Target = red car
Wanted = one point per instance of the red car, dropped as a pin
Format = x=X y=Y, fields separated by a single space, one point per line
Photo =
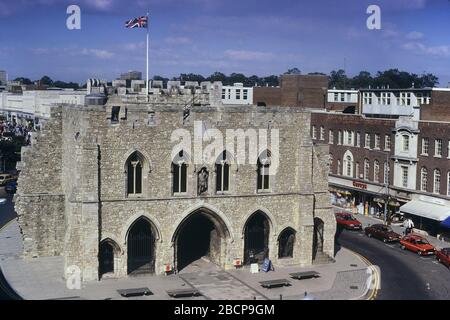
x=443 y=256
x=347 y=221
x=418 y=244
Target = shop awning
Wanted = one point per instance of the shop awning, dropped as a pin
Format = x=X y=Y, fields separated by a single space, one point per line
x=446 y=223
x=427 y=210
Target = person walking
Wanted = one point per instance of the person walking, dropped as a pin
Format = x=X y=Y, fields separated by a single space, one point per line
x=408 y=224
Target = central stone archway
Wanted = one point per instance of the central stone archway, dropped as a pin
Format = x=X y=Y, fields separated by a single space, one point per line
x=201 y=234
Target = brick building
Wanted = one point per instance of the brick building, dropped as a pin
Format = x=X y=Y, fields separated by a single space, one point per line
x=396 y=150
x=301 y=91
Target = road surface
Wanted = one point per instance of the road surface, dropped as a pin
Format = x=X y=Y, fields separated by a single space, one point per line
x=404 y=274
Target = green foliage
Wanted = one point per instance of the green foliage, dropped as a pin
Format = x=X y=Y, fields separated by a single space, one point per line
x=23 y=80
x=393 y=78
x=10 y=151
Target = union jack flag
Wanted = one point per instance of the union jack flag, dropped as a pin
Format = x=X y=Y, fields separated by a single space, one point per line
x=141 y=22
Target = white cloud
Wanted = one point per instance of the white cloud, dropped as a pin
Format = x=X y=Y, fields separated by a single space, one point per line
x=101 y=4
x=136 y=46
x=101 y=54
x=244 y=55
x=177 y=40
x=403 y=4
x=418 y=47
x=415 y=35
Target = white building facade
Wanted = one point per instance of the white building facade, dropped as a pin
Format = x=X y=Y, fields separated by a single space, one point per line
x=237 y=95
x=34 y=105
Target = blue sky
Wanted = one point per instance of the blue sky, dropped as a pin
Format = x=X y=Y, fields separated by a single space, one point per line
x=259 y=37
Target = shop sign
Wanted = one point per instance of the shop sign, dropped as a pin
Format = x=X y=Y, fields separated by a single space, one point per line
x=360 y=185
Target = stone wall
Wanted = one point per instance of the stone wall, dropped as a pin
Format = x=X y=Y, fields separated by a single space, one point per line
x=40 y=200
x=93 y=205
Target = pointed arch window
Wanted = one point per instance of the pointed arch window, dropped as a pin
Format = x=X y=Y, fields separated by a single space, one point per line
x=263 y=171
x=134 y=168
x=179 y=173
x=223 y=172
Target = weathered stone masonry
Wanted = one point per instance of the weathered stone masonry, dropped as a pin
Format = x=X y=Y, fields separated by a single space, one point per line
x=72 y=188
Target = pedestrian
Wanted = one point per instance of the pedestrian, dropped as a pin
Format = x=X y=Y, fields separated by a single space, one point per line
x=411 y=226
x=408 y=224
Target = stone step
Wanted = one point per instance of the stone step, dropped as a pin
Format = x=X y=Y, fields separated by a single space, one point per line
x=322 y=258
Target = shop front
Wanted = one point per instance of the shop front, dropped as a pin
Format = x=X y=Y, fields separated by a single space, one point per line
x=428 y=214
x=361 y=197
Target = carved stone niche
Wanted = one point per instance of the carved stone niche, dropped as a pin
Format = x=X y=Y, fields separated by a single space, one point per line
x=202 y=181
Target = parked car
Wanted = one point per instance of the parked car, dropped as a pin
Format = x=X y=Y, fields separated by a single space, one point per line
x=418 y=244
x=347 y=221
x=397 y=217
x=382 y=232
x=5 y=178
x=11 y=187
x=443 y=256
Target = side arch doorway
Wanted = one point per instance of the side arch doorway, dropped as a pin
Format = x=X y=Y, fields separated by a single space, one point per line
x=106 y=258
x=141 y=247
x=202 y=234
x=256 y=238
x=318 y=237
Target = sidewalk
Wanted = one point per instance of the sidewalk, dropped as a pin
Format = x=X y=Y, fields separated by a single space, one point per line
x=367 y=220
x=42 y=278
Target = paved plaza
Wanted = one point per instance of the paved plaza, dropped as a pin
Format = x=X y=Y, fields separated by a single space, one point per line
x=42 y=278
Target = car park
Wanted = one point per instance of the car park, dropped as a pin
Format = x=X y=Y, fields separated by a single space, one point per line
x=417 y=244
x=347 y=221
x=382 y=232
x=443 y=256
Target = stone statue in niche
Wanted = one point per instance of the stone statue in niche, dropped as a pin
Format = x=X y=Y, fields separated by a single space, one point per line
x=203 y=181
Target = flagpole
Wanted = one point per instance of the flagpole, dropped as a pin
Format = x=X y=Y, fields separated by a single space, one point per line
x=147 y=51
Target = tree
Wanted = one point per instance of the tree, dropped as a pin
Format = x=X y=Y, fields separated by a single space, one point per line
x=65 y=85
x=46 y=81
x=428 y=80
x=338 y=79
x=271 y=81
x=316 y=74
x=191 y=77
x=159 y=78
x=293 y=71
x=217 y=76
x=362 y=81
x=23 y=80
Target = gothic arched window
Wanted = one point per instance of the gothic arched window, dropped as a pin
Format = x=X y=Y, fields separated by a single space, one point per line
x=223 y=173
x=179 y=173
x=263 y=171
x=134 y=167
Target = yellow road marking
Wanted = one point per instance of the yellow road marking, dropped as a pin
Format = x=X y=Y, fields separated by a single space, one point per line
x=374 y=293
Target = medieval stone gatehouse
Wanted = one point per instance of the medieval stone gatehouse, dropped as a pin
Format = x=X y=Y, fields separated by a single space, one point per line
x=111 y=188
